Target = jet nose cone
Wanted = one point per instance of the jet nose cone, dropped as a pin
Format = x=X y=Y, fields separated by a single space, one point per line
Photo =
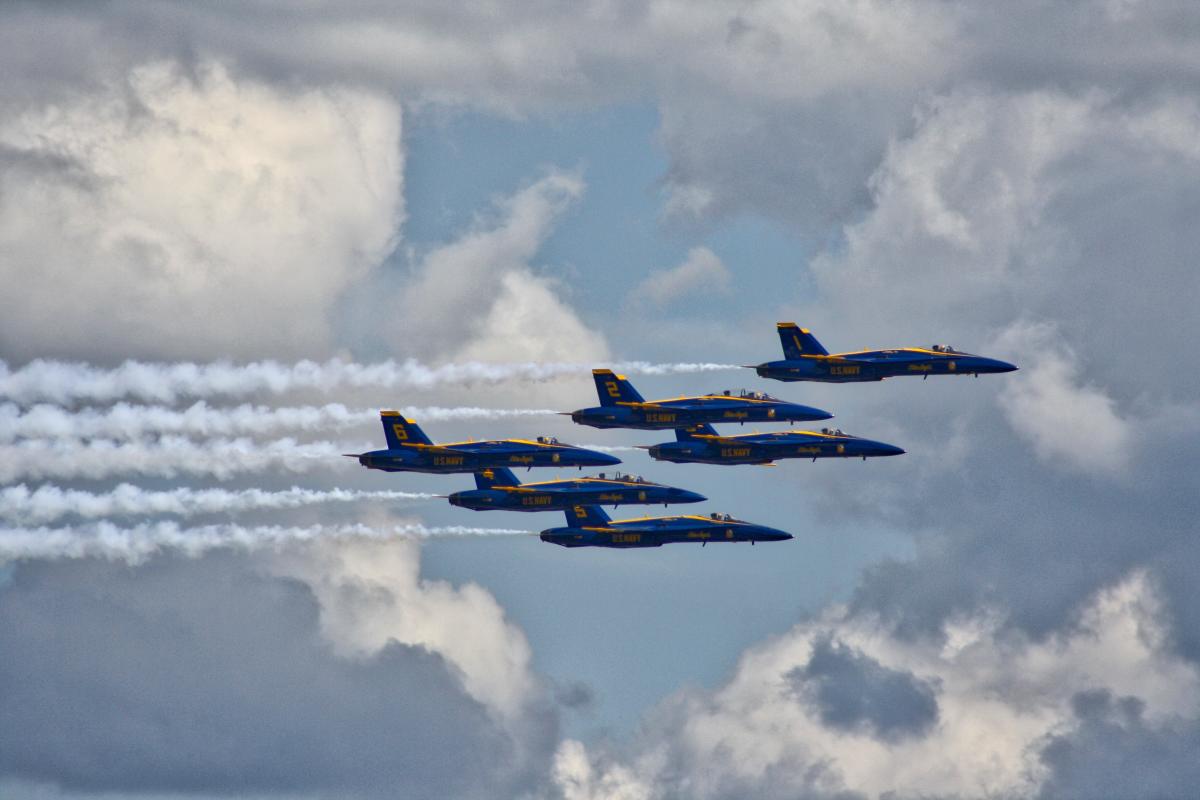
x=811 y=413
x=684 y=496
x=773 y=535
x=885 y=449
x=604 y=459
x=990 y=365
x=1003 y=366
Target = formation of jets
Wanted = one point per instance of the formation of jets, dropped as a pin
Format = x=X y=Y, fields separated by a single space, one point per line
x=696 y=442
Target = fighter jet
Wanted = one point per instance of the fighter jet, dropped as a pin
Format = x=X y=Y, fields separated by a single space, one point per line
x=499 y=488
x=806 y=360
x=701 y=444
x=410 y=450
x=589 y=526
x=621 y=406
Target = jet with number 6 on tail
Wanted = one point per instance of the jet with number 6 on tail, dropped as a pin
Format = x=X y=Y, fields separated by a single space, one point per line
x=589 y=526
x=499 y=488
x=621 y=406
x=806 y=360
x=701 y=444
x=410 y=450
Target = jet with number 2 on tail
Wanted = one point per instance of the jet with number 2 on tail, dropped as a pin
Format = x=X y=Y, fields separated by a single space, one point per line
x=499 y=488
x=589 y=526
x=701 y=444
x=806 y=360
x=410 y=450
x=621 y=406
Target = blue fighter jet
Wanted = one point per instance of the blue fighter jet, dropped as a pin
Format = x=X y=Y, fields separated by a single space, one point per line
x=589 y=526
x=806 y=360
x=499 y=488
x=621 y=406
x=410 y=450
x=701 y=444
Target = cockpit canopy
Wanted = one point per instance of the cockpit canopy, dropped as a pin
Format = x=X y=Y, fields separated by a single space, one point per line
x=942 y=348
x=621 y=476
x=547 y=440
x=751 y=394
x=720 y=517
x=832 y=431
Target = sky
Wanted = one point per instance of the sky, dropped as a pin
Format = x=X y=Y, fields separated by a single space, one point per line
x=230 y=234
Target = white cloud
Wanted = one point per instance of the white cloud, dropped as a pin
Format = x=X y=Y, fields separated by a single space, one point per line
x=371 y=593
x=1065 y=420
x=478 y=297
x=998 y=692
x=176 y=215
x=701 y=272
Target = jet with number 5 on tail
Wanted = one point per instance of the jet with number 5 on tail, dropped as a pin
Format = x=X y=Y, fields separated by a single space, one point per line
x=621 y=406
x=701 y=444
x=806 y=360
x=410 y=450
x=589 y=526
x=499 y=488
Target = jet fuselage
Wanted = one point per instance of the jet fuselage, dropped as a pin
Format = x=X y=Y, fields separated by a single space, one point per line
x=657 y=531
x=562 y=495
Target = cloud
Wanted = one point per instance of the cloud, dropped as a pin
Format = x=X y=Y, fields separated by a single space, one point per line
x=1064 y=421
x=702 y=272
x=832 y=709
x=851 y=691
x=477 y=298
x=1111 y=750
x=174 y=215
x=213 y=675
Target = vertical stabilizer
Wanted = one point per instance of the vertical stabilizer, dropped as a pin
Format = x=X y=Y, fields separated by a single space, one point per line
x=496 y=476
x=587 y=516
x=798 y=342
x=400 y=431
x=613 y=388
x=689 y=433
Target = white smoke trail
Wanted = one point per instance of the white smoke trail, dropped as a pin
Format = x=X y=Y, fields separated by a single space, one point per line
x=25 y=506
x=136 y=543
x=127 y=421
x=69 y=382
x=167 y=457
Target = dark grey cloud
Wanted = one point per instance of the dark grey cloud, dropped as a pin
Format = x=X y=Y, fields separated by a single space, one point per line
x=851 y=691
x=1113 y=751
x=208 y=675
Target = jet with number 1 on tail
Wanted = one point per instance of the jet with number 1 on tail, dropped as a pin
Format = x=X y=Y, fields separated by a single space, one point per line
x=621 y=406
x=806 y=360
x=701 y=444
x=499 y=488
x=589 y=526
x=410 y=450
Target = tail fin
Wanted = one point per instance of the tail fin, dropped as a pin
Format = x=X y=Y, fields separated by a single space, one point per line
x=496 y=476
x=798 y=341
x=401 y=431
x=614 y=388
x=587 y=516
x=689 y=433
